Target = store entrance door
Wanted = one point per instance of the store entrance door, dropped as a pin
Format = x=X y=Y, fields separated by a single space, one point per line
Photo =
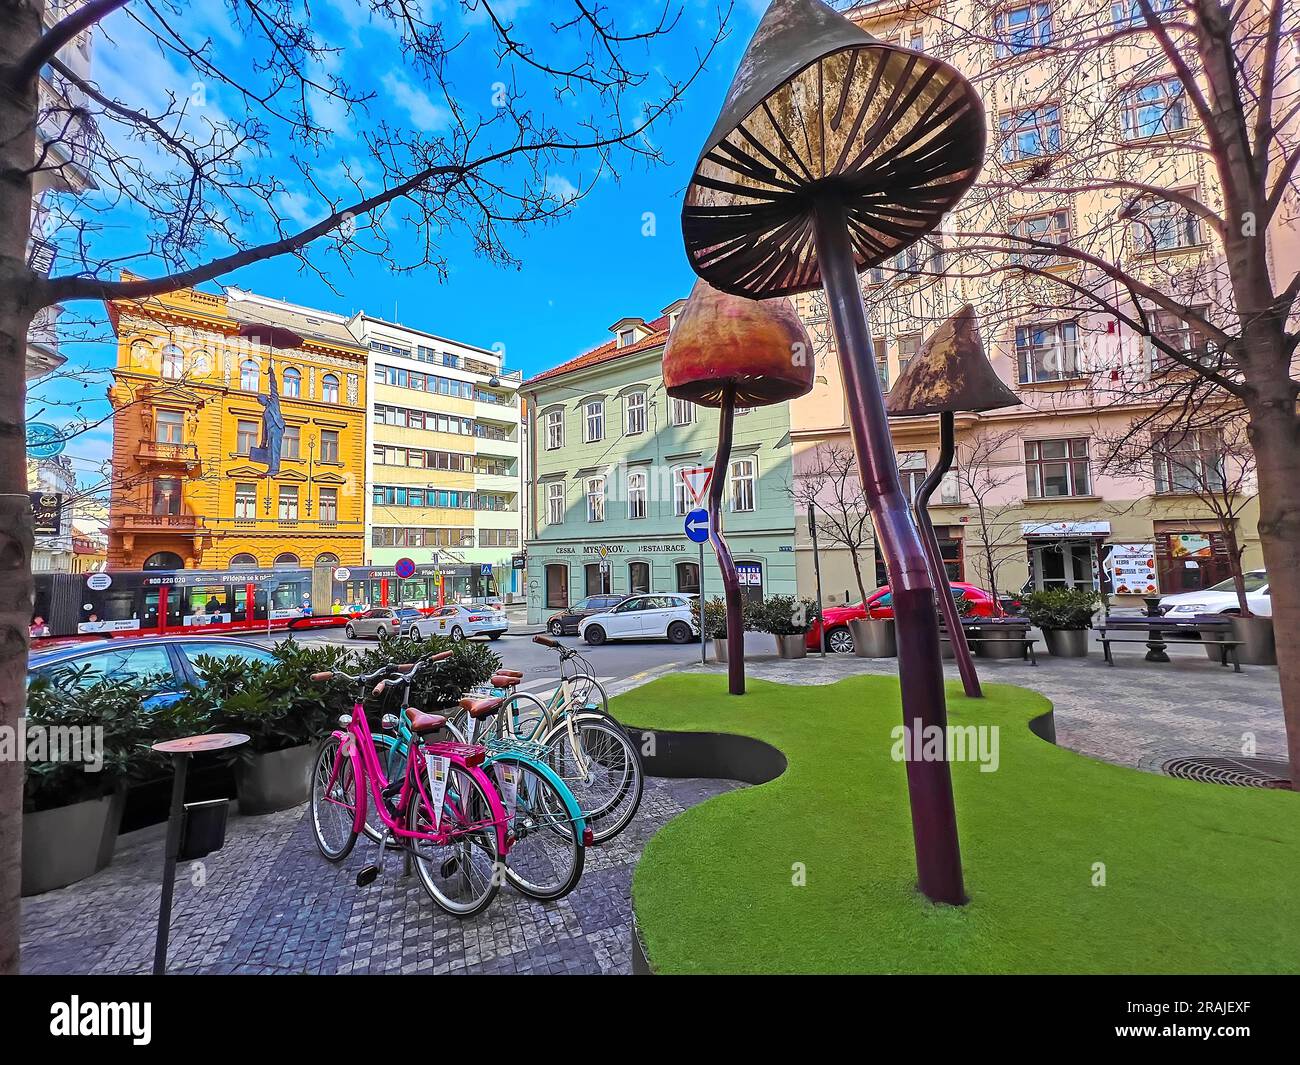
x=1062 y=564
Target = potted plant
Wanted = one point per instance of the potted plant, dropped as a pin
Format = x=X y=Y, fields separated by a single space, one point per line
x=788 y=620
x=471 y=665
x=713 y=626
x=1064 y=615
x=84 y=741
x=1009 y=631
x=283 y=712
x=872 y=636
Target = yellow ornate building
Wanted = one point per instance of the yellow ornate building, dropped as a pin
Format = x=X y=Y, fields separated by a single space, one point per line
x=239 y=434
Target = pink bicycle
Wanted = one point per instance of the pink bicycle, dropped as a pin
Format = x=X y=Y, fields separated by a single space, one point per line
x=444 y=810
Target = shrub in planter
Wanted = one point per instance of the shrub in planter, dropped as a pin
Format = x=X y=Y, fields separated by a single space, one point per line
x=85 y=741
x=1058 y=611
x=789 y=619
x=472 y=663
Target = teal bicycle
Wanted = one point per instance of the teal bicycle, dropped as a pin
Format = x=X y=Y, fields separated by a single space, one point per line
x=585 y=745
x=547 y=831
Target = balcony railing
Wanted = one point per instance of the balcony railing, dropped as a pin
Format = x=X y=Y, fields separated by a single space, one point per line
x=157 y=451
x=147 y=523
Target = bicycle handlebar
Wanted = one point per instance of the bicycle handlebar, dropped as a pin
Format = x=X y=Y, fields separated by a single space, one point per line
x=546 y=641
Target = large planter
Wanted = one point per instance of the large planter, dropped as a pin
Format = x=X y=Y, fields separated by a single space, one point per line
x=275 y=780
x=1256 y=636
x=999 y=649
x=1066 y=643
x=874 y=637
x=795 y=646
x=719 y=649
x=69 y=843
x=945 y=645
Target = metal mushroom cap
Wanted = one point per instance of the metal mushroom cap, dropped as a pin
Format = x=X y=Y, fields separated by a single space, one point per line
x=950 y=373
x=821 y=108
x=760 y=350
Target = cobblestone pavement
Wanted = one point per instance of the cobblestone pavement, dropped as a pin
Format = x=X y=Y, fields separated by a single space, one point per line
x=270 y=903
x=1134 y=713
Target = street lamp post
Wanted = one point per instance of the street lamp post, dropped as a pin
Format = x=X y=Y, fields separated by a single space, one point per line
x=834 y=152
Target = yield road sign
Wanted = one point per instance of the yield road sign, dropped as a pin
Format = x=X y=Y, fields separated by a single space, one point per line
x=697 y=526
x=697 y=482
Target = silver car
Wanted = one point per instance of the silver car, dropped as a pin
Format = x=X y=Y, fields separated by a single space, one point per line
x=388 y=621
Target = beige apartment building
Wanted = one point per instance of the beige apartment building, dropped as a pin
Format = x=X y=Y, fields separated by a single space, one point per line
x=1039 y=490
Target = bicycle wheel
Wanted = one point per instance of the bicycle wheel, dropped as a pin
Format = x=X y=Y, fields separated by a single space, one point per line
x=333 y=814
x=609 y=790
x=460 y=874
x=546 y=854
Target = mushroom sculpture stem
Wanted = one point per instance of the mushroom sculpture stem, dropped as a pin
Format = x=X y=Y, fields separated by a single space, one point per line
x=727 y=566
x=930 y=541
x=920 y=674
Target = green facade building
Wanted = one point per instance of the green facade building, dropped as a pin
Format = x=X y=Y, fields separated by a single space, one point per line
x=606 y=504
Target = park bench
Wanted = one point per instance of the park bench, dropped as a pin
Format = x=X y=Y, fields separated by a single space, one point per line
x=1226 y=647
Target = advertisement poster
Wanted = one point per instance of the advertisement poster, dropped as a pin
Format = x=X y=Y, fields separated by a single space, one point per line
x=1189 y=546
x=1132 y=569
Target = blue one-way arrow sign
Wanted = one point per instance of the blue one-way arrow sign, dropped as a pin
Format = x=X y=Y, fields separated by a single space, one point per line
x=697 y=526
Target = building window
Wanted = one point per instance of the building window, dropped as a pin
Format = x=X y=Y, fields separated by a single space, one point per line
x=329 y=445
x=1047 y=351
x=682 y=412
x=635 y=413
x=682 y=502
x=557 y=586
x=554 y=430
x=636 y=494
x=292 y=387
x=169 y=427
x=243 y=561
x=329 y=388
x=1030 y=133
x=1177 y=332
x=595 y=421
x=1051 y=227
x=638 y=577
x=596 y=499
x=286 y=560
x=1056 y=468
x=1161 y=225
x=908 y=346
x=166 y=497
x=743 y=476
x=173 y=363
x=1189 y=462
x=627 y=338
x=1155 y=108
x=245 y=502
x=1125 y=14
x=245 y=437
x=688 y=577
x=555 y=503
x=911 y=472
x=950 y=491
x=329 y=506
x=882 y=370
x=291 y=447
x=498 y=538
x=288 y=503
x=327 y=558
x=1022 y=29
x=249 y=376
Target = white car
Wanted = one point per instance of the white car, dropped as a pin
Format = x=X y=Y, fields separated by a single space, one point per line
x=1221 y=598
x=643 y=617
x=458 y=621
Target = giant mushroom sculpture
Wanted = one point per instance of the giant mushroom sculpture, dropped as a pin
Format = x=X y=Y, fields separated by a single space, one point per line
x=835 y=151
x=723 y=352
x=950 y=373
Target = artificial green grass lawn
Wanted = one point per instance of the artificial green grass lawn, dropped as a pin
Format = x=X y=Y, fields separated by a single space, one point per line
x=1199 y=877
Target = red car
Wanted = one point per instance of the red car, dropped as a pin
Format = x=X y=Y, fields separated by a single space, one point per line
x=839 y=637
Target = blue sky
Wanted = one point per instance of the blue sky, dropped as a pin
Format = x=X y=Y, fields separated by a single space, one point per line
x=578 y=274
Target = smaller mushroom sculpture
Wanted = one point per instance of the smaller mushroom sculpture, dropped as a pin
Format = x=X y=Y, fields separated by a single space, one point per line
x=950 y=373
x=727 y=351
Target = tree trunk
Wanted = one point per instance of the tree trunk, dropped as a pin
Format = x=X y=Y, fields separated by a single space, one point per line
x=17 y=308
x=1229 y=528
x=857 y=573
x=1275 y=436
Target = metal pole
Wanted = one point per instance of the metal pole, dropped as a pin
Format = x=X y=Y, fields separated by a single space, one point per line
x=920 y=671
x=730 y=579
x=181 y=765
x=970 y=680
x=817 y=573
x=704 y=657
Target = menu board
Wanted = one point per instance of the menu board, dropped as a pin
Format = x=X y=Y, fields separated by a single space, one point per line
x=1132 y=569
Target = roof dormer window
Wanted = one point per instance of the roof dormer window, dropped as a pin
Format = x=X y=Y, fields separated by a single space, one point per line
x=627 y=338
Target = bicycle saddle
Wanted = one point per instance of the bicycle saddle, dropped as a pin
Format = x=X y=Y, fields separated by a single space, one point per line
x=421 y=723
x=481 y=707
x=506 y=680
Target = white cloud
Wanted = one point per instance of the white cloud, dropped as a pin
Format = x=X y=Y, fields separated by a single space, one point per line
x=558 y=187
x=426 y=115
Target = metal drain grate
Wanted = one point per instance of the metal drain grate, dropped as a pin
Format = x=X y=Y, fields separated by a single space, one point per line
x=1235 y=772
